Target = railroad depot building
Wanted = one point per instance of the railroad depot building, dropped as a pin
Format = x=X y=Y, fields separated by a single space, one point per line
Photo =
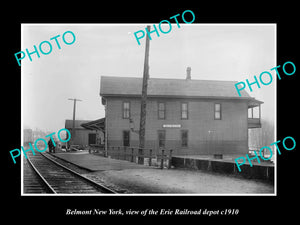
x=192 y=117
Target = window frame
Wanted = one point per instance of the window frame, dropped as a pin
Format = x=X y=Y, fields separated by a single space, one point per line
x=158 y=110
x=187 y=110
x=123 y=135
x=220 y=111
x=123 y=110
x=187 y=138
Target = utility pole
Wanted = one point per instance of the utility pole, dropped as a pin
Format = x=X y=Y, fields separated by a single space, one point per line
x=144 y=102
x=73 y=127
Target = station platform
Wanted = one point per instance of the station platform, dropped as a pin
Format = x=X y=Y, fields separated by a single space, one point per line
x=96 y=163
x=140 y=179
x=227 y=165
x=226 y=158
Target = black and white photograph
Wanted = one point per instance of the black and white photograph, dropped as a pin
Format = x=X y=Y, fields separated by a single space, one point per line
x=149 y=109
x=131 y=114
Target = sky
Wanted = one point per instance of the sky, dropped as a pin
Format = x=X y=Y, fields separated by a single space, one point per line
x=213 y=51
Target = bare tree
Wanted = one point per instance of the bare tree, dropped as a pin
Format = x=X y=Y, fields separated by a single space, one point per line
x=260 y=137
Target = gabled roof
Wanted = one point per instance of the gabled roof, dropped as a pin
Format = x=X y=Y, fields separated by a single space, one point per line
x=69 y=124
x=157 y=87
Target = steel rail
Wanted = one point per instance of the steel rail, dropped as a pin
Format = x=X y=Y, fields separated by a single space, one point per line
x=95 y=184
x=41 y=177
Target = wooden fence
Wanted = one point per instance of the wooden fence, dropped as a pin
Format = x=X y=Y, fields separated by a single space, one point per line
x=131 y=154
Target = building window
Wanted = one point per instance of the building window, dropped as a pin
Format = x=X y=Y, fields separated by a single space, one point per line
x=126 y=110
x=184 y=110
x=184 y=138
x=126 y=138
x=161 y=138
x=161 y=110
x=218 y=115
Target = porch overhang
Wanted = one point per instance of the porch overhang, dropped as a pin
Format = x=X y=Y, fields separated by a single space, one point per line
x=95 y=125
x=254 y=122
x=254 y=103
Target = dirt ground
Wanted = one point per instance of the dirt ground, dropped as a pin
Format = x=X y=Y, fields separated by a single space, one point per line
x=180 y=181
x=126 y=177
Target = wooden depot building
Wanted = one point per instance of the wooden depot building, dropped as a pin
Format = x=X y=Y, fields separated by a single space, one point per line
x=192 y=117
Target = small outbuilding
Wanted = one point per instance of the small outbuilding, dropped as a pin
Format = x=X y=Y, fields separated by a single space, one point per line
x=82 y=135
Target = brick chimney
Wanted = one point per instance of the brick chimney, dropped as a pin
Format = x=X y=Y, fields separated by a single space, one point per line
x=188 y=73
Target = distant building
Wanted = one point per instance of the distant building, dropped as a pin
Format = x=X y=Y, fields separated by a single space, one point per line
x=27 y=136
x=83 y=137
x=191 y=117
x=37 y=133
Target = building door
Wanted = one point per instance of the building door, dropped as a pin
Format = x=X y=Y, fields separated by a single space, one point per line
x=126 y=138
x=92 y=139
x=161 y=138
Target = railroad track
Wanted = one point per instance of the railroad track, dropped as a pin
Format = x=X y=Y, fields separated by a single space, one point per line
x=32 y=183
x=44 y=175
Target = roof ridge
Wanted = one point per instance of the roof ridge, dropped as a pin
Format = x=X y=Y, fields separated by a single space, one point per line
x=169 y=87
x=177 y=79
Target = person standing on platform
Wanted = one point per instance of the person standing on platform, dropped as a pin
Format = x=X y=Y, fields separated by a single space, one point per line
x=50 y=145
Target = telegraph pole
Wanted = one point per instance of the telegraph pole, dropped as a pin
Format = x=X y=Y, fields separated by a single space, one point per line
x=144 y=102
x=74 y=109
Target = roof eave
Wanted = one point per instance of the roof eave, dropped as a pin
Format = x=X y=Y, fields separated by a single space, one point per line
x=178 y=96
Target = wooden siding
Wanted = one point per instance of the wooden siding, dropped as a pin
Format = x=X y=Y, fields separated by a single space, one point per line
x=205 y=134
x=82 y=136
